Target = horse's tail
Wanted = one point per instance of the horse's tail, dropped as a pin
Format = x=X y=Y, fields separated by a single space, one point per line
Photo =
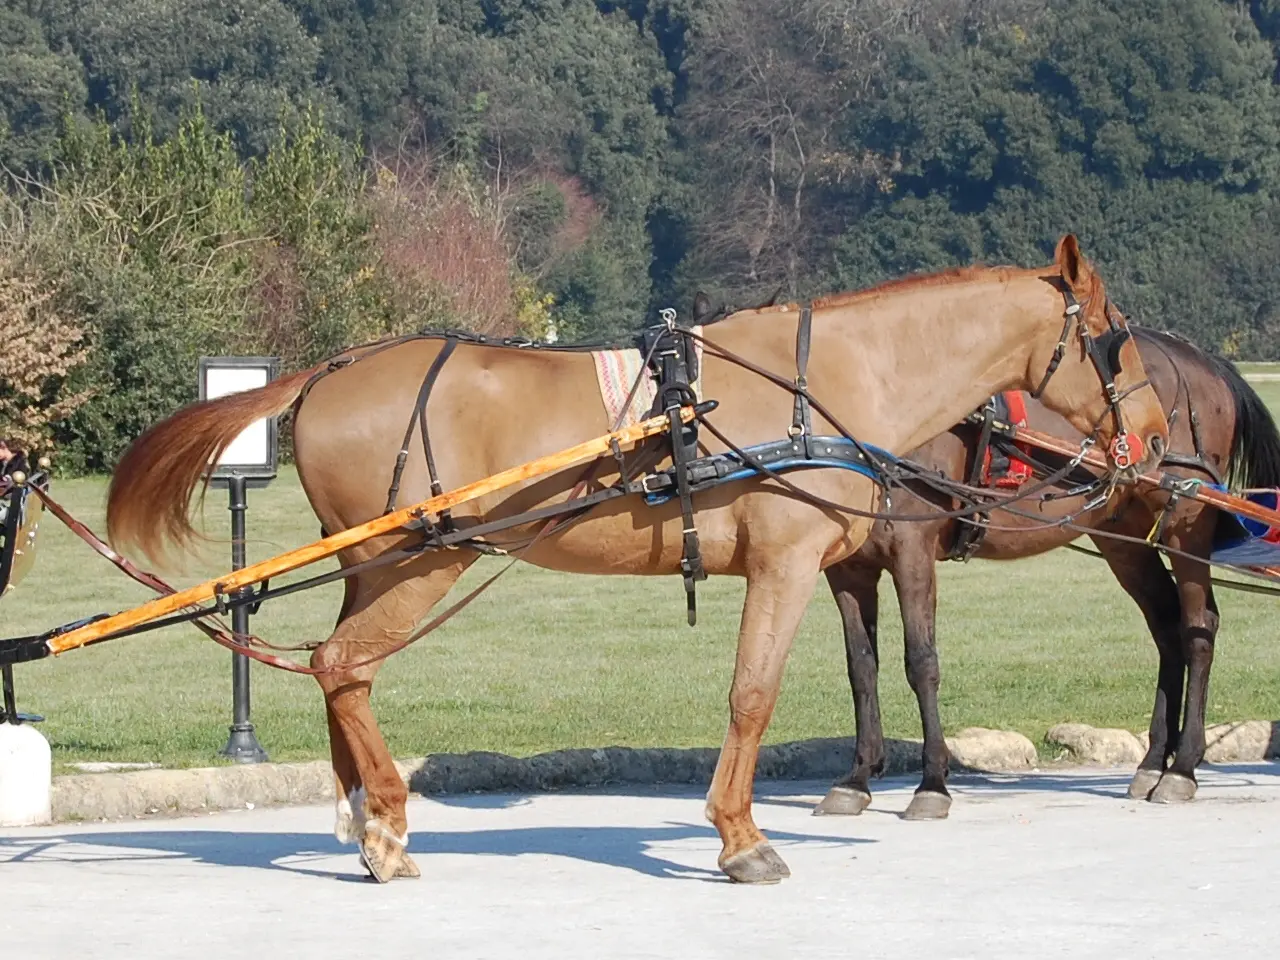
x=1255 y=445
x=151 y=488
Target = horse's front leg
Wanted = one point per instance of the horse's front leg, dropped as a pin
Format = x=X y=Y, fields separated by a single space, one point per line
x=779 y=587
x=916 y=581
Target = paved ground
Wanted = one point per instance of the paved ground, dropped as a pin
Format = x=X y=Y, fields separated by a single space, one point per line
x=1040 y=866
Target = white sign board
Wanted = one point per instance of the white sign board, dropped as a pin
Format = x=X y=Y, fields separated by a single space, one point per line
x=252 y=454
x=253 y=446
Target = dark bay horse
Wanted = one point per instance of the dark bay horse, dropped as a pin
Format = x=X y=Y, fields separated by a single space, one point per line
x=895 y=365
x=1239 y=442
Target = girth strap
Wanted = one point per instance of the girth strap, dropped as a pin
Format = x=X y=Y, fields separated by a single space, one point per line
x=419 y=417
x=801 y=418
x=969 y=535
x=672 y=357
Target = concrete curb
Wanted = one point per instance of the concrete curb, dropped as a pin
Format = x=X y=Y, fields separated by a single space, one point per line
x=167 y=793
x=146 y=793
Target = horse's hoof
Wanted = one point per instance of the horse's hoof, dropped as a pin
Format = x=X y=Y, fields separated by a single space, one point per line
x=1143 y=782
x=384 y=855
x=928 y=805
x=842 y=802
x=408 y=870
x=759 y=864
x=1174 y=788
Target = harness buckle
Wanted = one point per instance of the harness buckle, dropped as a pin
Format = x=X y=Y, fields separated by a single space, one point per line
x=658 y=481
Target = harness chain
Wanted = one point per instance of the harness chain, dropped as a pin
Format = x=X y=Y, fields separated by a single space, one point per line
x=419 y=415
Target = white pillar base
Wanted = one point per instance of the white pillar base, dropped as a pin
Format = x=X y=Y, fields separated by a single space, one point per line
x=26 y=776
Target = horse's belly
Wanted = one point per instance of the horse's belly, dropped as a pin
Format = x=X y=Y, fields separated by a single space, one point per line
x=733 y=522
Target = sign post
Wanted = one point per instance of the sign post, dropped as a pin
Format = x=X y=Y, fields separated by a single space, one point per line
x=249 y=461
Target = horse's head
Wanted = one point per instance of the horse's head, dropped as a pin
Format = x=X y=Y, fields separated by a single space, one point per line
x=1091 y=372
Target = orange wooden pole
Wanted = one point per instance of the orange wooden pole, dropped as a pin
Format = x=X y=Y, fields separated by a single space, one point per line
x=1094 y=458
x=322 y=549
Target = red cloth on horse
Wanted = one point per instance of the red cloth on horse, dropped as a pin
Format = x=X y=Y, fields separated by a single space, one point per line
x=1018 y=472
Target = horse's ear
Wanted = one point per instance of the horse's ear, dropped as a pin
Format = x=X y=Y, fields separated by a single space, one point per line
x=701 y=306
x=1075 y=268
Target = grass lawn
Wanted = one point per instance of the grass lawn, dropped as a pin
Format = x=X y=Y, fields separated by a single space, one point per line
x=1254 y=367
x=546 y=661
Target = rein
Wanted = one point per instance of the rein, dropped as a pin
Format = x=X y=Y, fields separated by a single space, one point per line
x=1104 y=351
x=674 y=378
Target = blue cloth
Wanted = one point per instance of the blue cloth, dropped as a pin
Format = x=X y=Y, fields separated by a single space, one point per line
x=1239 y=540
x=780 y=466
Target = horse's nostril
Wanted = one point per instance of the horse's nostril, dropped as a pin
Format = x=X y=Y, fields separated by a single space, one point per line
x=1156 y=443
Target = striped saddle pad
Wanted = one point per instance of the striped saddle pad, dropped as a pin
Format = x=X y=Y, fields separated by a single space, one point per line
x=617 y=372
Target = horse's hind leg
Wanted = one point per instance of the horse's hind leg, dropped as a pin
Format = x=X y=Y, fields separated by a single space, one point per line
x=778 y=590
x=386 y=607
x=854 y=588
x=349 y=812
x=1198 y=629
x=1140 y=572
x=350 y=816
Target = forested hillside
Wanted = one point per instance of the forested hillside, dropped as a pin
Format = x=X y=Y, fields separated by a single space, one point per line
x=197 y=176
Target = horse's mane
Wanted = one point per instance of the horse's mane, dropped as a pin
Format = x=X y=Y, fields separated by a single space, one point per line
x=1254 y=460
x=939 y=278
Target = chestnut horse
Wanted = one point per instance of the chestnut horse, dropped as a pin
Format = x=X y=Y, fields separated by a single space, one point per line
x=1235 y=438
x=896 y=365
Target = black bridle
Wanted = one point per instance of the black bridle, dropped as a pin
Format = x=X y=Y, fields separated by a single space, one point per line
x=1104 y=351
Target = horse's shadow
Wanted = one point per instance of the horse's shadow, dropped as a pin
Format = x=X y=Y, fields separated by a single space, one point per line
x=975 y=785
x=303 y=853
x=1110 y=784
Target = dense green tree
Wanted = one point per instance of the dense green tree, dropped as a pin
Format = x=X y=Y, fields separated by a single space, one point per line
x=369 y=53
x=351 y=160
x=1147 y=128
x=518 y=88
x=37 y=85
x=247 y=62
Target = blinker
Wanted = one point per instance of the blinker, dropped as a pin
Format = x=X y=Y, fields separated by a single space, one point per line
x=1111 y=342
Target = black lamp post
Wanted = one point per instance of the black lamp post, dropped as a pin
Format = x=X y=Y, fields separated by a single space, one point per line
x=249 y=461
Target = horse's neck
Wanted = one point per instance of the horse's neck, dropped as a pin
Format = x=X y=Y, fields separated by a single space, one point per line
x=942 y=350
x=900 y=368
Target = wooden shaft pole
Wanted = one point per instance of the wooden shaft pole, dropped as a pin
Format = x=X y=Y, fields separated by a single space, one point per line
x=322 y=549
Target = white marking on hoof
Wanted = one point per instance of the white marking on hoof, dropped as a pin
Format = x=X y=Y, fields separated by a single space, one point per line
x=350 y=822
x=379 y=828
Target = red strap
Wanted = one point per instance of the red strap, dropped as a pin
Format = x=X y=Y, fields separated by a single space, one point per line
x=1018 y=472
x=1017 y=401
